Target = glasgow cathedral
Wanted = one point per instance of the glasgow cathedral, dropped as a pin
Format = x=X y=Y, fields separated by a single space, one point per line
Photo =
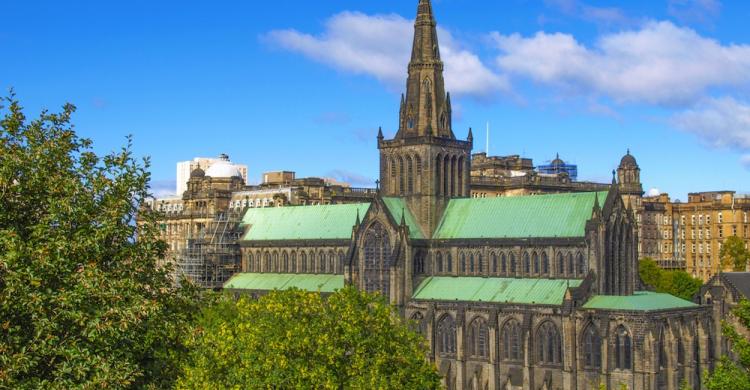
x=525 y=292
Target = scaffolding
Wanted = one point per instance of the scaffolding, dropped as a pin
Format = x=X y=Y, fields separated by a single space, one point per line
x=213 y=256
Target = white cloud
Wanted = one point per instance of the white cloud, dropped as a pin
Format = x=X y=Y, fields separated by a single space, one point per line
x=719 y=122
x=380 y=46
x=660 y=63
x=653 y=192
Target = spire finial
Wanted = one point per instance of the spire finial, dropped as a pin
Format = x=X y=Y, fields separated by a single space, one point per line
x=470 y=138
x=380 y=133
x=358 y=222
x=614 y=177
x=403 y=218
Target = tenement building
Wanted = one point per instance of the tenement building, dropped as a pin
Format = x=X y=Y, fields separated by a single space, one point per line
x=526 y=292
x=693 y=232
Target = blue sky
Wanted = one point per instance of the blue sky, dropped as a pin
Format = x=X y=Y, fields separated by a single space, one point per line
x=303 y=86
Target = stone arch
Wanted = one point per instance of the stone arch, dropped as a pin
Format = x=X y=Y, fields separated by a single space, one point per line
x=446 y=335
x=446 y=175
x=439 y=262
x=478 y=338
x=409 y=175
x=331 y=262
x=591 y=347
x=250 y=263
x=623 y=348
x=284 y=261
x=377 y=252
x=321 y=262
x=545 y=264
x=526 y=264
x=560 y=264
x=438 y=174
x=417 y=174
x=460 y=177
x=401 y=177
x=535 y=257
x=512 y=341
x=548 y=343
x=453 y=175
x=293 y=259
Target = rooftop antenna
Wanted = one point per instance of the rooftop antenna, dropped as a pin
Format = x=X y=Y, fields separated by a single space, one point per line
x=487 y=149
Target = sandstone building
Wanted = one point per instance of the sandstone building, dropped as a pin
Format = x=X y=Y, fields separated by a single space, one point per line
x=525 y=292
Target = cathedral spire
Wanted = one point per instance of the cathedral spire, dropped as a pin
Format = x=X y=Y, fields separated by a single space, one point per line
x=426 y=110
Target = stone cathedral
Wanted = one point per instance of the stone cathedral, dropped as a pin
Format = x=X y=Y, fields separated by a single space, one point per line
x=527 y=292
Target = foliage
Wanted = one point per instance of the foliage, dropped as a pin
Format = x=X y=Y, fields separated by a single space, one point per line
x=677 y=283
x=734 y=255
x=297 y=339
x=83 y=304
x=734 y=373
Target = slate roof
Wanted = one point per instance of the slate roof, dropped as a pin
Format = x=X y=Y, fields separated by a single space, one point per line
x=324 y=222
x=397 y=206
x=254 y=281
x=545 y=216
x=639 y=301
x=740 y=281
x=495 y=290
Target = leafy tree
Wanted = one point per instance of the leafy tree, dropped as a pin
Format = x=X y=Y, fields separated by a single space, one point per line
x=297 y=339
x=678 y=283
x=82 y=302
x=734 y=255
x=731 y=374
x=650 y=272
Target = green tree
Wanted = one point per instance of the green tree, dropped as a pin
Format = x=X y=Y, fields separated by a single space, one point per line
x=650 y=272
x=83 y=304
x=731 y=374
x=734 y=254
x=297 y=339
x=678 y=283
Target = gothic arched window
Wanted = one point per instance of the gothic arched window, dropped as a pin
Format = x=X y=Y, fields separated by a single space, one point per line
x=494 y=263
x=285 y=261
x=623 y=349
x=592 y=347
x=511 y=336
x=439 y=262
x=549 y=345
x=340 y=267
x=377 y=250
x=545 y=263
x=446 y=335
x=294 y=262
x=322 y=262
x=331 y=262
x=268 y=262
x=513 y=265
x=450 y=262
x=503 y=264
x=536 y=263
x=571 y=269
x=526 y=264
x=560 y=264
x=401 y=175
x=480 y=264
x=418 y=263
x=471 y=263
x=303 y=260
x=479 y=337
x=463 y=263
x=250 y=262
x=410 y=175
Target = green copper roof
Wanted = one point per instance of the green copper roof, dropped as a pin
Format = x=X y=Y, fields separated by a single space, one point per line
x=302 y=222
x=499 y=290
x=395 y=207
x=251 y=281
x=557 y=215
x=639 y=301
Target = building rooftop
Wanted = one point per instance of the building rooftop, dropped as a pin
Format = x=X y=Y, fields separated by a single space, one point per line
x=555 y=215
x=253 y=281
x=639 y=301
x=323 y=222
x=495 y=290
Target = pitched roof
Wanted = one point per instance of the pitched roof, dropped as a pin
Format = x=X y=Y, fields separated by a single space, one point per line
x=324 y=222
x=739 y=280
x=266 y=282
x=556 y=215
x=639 y=301
x=496 y=290
x=397 y=207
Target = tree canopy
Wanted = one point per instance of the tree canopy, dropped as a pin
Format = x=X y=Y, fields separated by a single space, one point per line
x=678 y=283
x=297 y=339
x=734 y=254
x=731 y=374
x=83 y=303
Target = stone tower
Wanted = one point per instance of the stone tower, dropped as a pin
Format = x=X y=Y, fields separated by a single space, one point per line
x=425 y=163
x=629 y=177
